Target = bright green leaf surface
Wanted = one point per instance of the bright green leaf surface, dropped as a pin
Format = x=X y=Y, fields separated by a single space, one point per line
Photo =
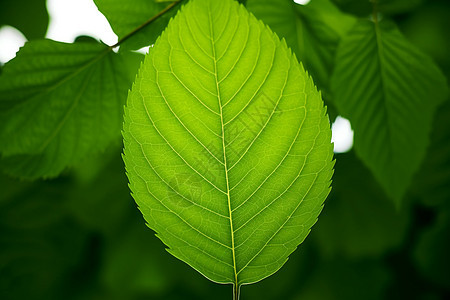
x=389 y=90
x=126 y=16
x=59 y=103
x=312 y=31
x=227 y=144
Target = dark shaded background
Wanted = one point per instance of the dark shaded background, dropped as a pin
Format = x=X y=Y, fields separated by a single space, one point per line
x=80 y=236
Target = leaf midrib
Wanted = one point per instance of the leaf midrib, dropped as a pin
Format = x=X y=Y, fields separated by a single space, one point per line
x=66 y=115
x=223 y=146
x=383 y=88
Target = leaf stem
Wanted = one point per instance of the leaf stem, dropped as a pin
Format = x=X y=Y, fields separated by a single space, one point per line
x=236 y=291
x=375 y=11
x=146 y=23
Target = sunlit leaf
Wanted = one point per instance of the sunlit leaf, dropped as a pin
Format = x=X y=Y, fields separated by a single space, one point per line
x=227 y=144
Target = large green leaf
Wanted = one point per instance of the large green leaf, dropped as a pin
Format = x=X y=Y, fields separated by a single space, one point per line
x=59 y=103
x=126 y=16
x=227 y=144
x=312 y=31
x=389 y=90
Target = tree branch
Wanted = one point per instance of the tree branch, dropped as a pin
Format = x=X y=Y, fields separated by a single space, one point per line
x=148 y=22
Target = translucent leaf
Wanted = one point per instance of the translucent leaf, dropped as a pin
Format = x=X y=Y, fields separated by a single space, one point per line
x=59 y=103
x=126 y=16
x=227 y=144
x=389 y=90
x=312 y=31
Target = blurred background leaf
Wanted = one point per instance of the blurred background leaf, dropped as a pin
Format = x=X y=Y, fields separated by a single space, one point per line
x=28 y=16
x=312 y=31
x=126 y=16
x=390 y=91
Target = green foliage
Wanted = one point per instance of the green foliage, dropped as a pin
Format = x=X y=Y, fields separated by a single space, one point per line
x=312 y=31
x=59 y=103
x=432 y=181
x=224 y=131
x=80 y=236
x=19 y=13
x=125 y=16
x=390 y=91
